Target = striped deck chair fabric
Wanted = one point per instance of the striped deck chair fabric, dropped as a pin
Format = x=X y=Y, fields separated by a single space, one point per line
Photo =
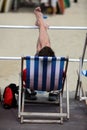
x=84 y=72
x=43 y=74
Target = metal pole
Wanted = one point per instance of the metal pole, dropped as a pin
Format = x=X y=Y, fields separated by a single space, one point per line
x=19 y=58
x=10 y=58
x=50 y=27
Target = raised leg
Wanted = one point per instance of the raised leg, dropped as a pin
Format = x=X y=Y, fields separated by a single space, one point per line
x=43 y=39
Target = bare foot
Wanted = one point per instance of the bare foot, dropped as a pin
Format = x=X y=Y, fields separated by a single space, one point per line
x=39 y=18
x=38 y=13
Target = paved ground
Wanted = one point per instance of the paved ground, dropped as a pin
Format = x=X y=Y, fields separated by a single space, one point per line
x=78 y=119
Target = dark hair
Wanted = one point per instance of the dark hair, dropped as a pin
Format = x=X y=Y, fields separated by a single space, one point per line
x=46 y=51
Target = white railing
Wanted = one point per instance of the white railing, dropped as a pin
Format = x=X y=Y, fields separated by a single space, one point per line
x=50 y=27
x=19 y=58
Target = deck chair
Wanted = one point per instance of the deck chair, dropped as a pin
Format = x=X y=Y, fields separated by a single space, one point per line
x=43 y=74
x=80 y=92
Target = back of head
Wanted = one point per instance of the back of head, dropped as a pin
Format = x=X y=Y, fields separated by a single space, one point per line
x=46 y=51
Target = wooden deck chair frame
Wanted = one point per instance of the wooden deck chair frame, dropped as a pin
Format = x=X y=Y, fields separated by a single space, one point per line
x=79 y=88
x=59 y=116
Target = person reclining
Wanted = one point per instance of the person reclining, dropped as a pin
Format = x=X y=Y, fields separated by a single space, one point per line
x=43 y=47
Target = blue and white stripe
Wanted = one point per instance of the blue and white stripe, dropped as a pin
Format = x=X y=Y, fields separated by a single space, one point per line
x=84 y=72
x=44 y=73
